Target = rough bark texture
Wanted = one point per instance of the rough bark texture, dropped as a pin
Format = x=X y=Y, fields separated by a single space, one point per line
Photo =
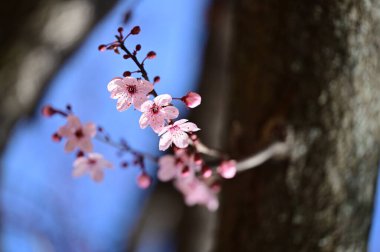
x=310 y=69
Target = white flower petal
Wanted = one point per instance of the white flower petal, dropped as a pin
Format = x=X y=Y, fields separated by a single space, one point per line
x=163 y=100
x=171 y=112
x=165 y=141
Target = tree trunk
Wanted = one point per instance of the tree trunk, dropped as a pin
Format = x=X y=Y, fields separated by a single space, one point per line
x=307 y=70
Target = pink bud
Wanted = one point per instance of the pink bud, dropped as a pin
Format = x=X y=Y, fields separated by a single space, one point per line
x=227 y=169
x=206 y=171
x=143 y=180
x=48 y=111
x=192 y=99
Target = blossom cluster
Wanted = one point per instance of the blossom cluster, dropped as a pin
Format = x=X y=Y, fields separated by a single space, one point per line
x=198 y=181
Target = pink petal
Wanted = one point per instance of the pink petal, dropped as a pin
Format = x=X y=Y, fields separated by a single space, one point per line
x=163 y=100
x=144 y=121
x=117 y=93
x=145 y=87
x=171 y=112
x=157 y=122
x=70 y=145
x=146 y=106
x=138 y=99
x=80 y=166
x=73 y=121
x=167 y=169
x=89 y=129
x=180 y=122
x=180 y=139
x=64 y=131
x=97 y=175
x=123 y=103
x=129 y=81
x=165 y=141
x=189 y=127
x=114 y=84
x=85 y=145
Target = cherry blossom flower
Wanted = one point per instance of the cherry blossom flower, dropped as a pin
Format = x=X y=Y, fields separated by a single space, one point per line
x=179 y=166
x=227 y=169
x=192 y=99
x=129 y=91
x=77 y=135
x=157 y=111
x=93 y=164
x=196 y=191
x=176 y=133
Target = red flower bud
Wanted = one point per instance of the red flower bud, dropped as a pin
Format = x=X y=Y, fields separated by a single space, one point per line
x=151 y=55
x=127 y=73
x=56 y=138
x=135 y=30
x=48 y=111
x=102 y=48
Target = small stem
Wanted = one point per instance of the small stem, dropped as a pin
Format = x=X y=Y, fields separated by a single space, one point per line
x=275 y=150
x=123 y=148
x=138 y=64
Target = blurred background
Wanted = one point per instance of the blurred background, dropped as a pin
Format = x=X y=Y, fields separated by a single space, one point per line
x=50 y=56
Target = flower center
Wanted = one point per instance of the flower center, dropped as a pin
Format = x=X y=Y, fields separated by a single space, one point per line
x=91 y=161
x=79 y=133
x=155 y=109
x=131 y=89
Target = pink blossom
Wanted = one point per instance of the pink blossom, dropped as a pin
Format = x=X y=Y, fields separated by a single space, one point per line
x=144 y=180
x=157 y=111
x=227 y=169
x=196 y=191
x=129 y=91
x=177 y=134
x=177 y=167
x=93 y=164
x=77 y=135
x=192 y=99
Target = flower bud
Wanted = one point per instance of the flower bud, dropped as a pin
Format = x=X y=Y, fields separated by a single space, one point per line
x=192 y=99
x=227 y=169
x=135 y=30
x=151 y=55
x=144 y=180
x=206 y=171
x=48 y=111
x=102 y=48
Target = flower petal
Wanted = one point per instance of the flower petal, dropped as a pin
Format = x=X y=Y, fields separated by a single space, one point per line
x=97 y=175
x=146 y=106
x=180 y=139
x=180 y=122
x=163 y=100
x=70 y=145
x=123 y=103
x=138 y=99
x=171 y=112
x=157 y=122
x=167 y=168
x=85 y=145
x=165 y=141
x=189 y=127
x=145 y=87
x=114 y=84
x=89 y=129
x=144 y=121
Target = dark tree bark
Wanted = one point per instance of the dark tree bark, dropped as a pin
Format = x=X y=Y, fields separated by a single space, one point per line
x=307 y=70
